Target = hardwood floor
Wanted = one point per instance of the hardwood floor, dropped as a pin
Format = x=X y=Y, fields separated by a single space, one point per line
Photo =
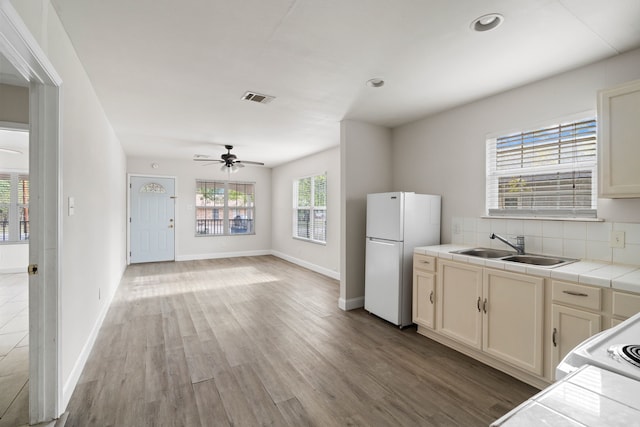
x=259 y=341
x=14 y=349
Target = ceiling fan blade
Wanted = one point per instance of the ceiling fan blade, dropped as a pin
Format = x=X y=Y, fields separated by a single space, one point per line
x=209 y=160
x=247 y=162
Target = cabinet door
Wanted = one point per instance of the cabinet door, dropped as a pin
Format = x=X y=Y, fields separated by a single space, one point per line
x=513 y=323
x=458 y=302
x=424 y=298
x=569 y=327
x=618 y=150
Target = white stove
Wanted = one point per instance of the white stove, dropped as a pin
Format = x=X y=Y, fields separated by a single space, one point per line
x=616 y=349
x=598 y=385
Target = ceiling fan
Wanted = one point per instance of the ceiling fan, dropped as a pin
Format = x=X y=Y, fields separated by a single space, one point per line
x=230 y=162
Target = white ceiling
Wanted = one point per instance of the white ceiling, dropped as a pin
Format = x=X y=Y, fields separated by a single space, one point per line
x=171 y=74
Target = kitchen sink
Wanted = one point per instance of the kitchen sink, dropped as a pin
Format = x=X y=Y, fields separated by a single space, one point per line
x=539 y=260
x=484 y=253
x=508 y=256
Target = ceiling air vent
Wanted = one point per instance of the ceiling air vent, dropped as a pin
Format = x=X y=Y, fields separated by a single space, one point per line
x=258 y=97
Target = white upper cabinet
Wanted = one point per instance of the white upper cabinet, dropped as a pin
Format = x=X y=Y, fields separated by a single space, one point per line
x=619 y=141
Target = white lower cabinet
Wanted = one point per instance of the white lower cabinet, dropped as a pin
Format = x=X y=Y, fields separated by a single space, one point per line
x=570 y=327
x=459 y=302
x=498 y=312
x=513 y=323
x=424 y=298
x=424 y=290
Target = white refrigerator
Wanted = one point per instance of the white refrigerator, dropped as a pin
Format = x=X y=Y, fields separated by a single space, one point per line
x=396 y=223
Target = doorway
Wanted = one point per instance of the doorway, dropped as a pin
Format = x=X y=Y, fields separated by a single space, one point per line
x=152 y=219
x=21 y=51
x=14 y=256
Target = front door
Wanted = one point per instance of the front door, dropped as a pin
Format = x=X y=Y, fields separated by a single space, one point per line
x=152 y=219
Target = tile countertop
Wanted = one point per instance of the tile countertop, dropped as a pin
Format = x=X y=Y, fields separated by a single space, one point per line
x=616 y=276
x=589 y=397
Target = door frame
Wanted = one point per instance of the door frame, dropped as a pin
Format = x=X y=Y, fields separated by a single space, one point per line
x=45 y=241
x=175 y=211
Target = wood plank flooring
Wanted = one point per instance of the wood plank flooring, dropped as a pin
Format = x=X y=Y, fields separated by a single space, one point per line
x=259 y=341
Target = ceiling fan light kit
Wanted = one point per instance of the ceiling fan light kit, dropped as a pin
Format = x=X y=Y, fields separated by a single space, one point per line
x=230 y=162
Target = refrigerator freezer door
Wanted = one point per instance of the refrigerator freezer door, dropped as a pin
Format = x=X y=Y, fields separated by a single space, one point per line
x=385 y=216
x=383 y=278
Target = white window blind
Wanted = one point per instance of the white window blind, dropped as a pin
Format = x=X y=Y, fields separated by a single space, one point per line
x=549 y=172
x=310 y=208
x=14 y=207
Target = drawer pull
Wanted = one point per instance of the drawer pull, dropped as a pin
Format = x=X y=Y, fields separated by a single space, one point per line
x=553 y=337
x=426 y=262
x=576 y=294
x=431 y=297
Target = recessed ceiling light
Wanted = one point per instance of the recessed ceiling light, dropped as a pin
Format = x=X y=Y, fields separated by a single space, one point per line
x=10 y=150
x=375 y=82
x=487 y=22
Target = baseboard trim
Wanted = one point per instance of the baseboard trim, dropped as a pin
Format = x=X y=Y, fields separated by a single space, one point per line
x=310 y=266
x=74 y=376
x=215 y=255
x=350 y=304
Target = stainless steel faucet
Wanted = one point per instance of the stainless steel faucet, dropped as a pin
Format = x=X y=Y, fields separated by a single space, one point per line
x=519 y=246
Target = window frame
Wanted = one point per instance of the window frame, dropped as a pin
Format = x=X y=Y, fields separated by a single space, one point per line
x=14 y=208
x=227 y=226
x=492 y=175
x=312 y=208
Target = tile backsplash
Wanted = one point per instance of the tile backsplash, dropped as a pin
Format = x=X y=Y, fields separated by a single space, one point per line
x=572 y=239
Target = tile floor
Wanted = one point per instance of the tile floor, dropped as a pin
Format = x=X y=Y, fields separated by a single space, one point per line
x=14 y=349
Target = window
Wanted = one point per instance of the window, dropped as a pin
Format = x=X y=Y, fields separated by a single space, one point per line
x=14 y=207
x=548 y=172
x=310 y=208
x=224 y=208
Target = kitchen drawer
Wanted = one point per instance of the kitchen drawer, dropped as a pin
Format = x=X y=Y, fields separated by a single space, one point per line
x=424 y=262
x=576 y=295
x=625 y=305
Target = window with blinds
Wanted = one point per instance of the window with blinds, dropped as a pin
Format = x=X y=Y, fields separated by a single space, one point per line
x=225 y=208
x=14 y=207
x=310 y=208
x=549 y=172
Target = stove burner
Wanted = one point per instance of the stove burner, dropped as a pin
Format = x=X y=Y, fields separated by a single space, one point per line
x=629 y=353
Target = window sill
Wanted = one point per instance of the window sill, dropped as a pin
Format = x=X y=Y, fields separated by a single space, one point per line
x=225 y=235
x=544 y=218
x=315 y=242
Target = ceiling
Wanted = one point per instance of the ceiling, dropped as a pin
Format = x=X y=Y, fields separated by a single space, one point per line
x=171 y=74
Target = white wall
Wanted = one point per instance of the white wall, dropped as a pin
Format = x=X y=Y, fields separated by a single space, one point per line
x=322 y=258
x=365 y=153
x=94 y=173
x=14 y=104
x=445 y=153
x=188 y=245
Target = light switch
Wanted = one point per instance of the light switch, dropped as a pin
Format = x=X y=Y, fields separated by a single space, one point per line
x=72 y=205
x=617 y=239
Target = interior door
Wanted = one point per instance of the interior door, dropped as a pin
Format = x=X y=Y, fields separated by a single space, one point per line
x=152 y=221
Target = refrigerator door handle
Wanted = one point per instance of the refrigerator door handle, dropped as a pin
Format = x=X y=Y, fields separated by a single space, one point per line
x=383 y=242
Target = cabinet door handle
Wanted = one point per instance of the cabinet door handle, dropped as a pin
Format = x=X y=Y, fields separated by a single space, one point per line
x=575 y=294
x=484 y=305
x=478 y=305
x=553 y=337
x=431 y=297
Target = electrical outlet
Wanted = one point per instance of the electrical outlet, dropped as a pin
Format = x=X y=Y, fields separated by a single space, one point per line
x=617 y=239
